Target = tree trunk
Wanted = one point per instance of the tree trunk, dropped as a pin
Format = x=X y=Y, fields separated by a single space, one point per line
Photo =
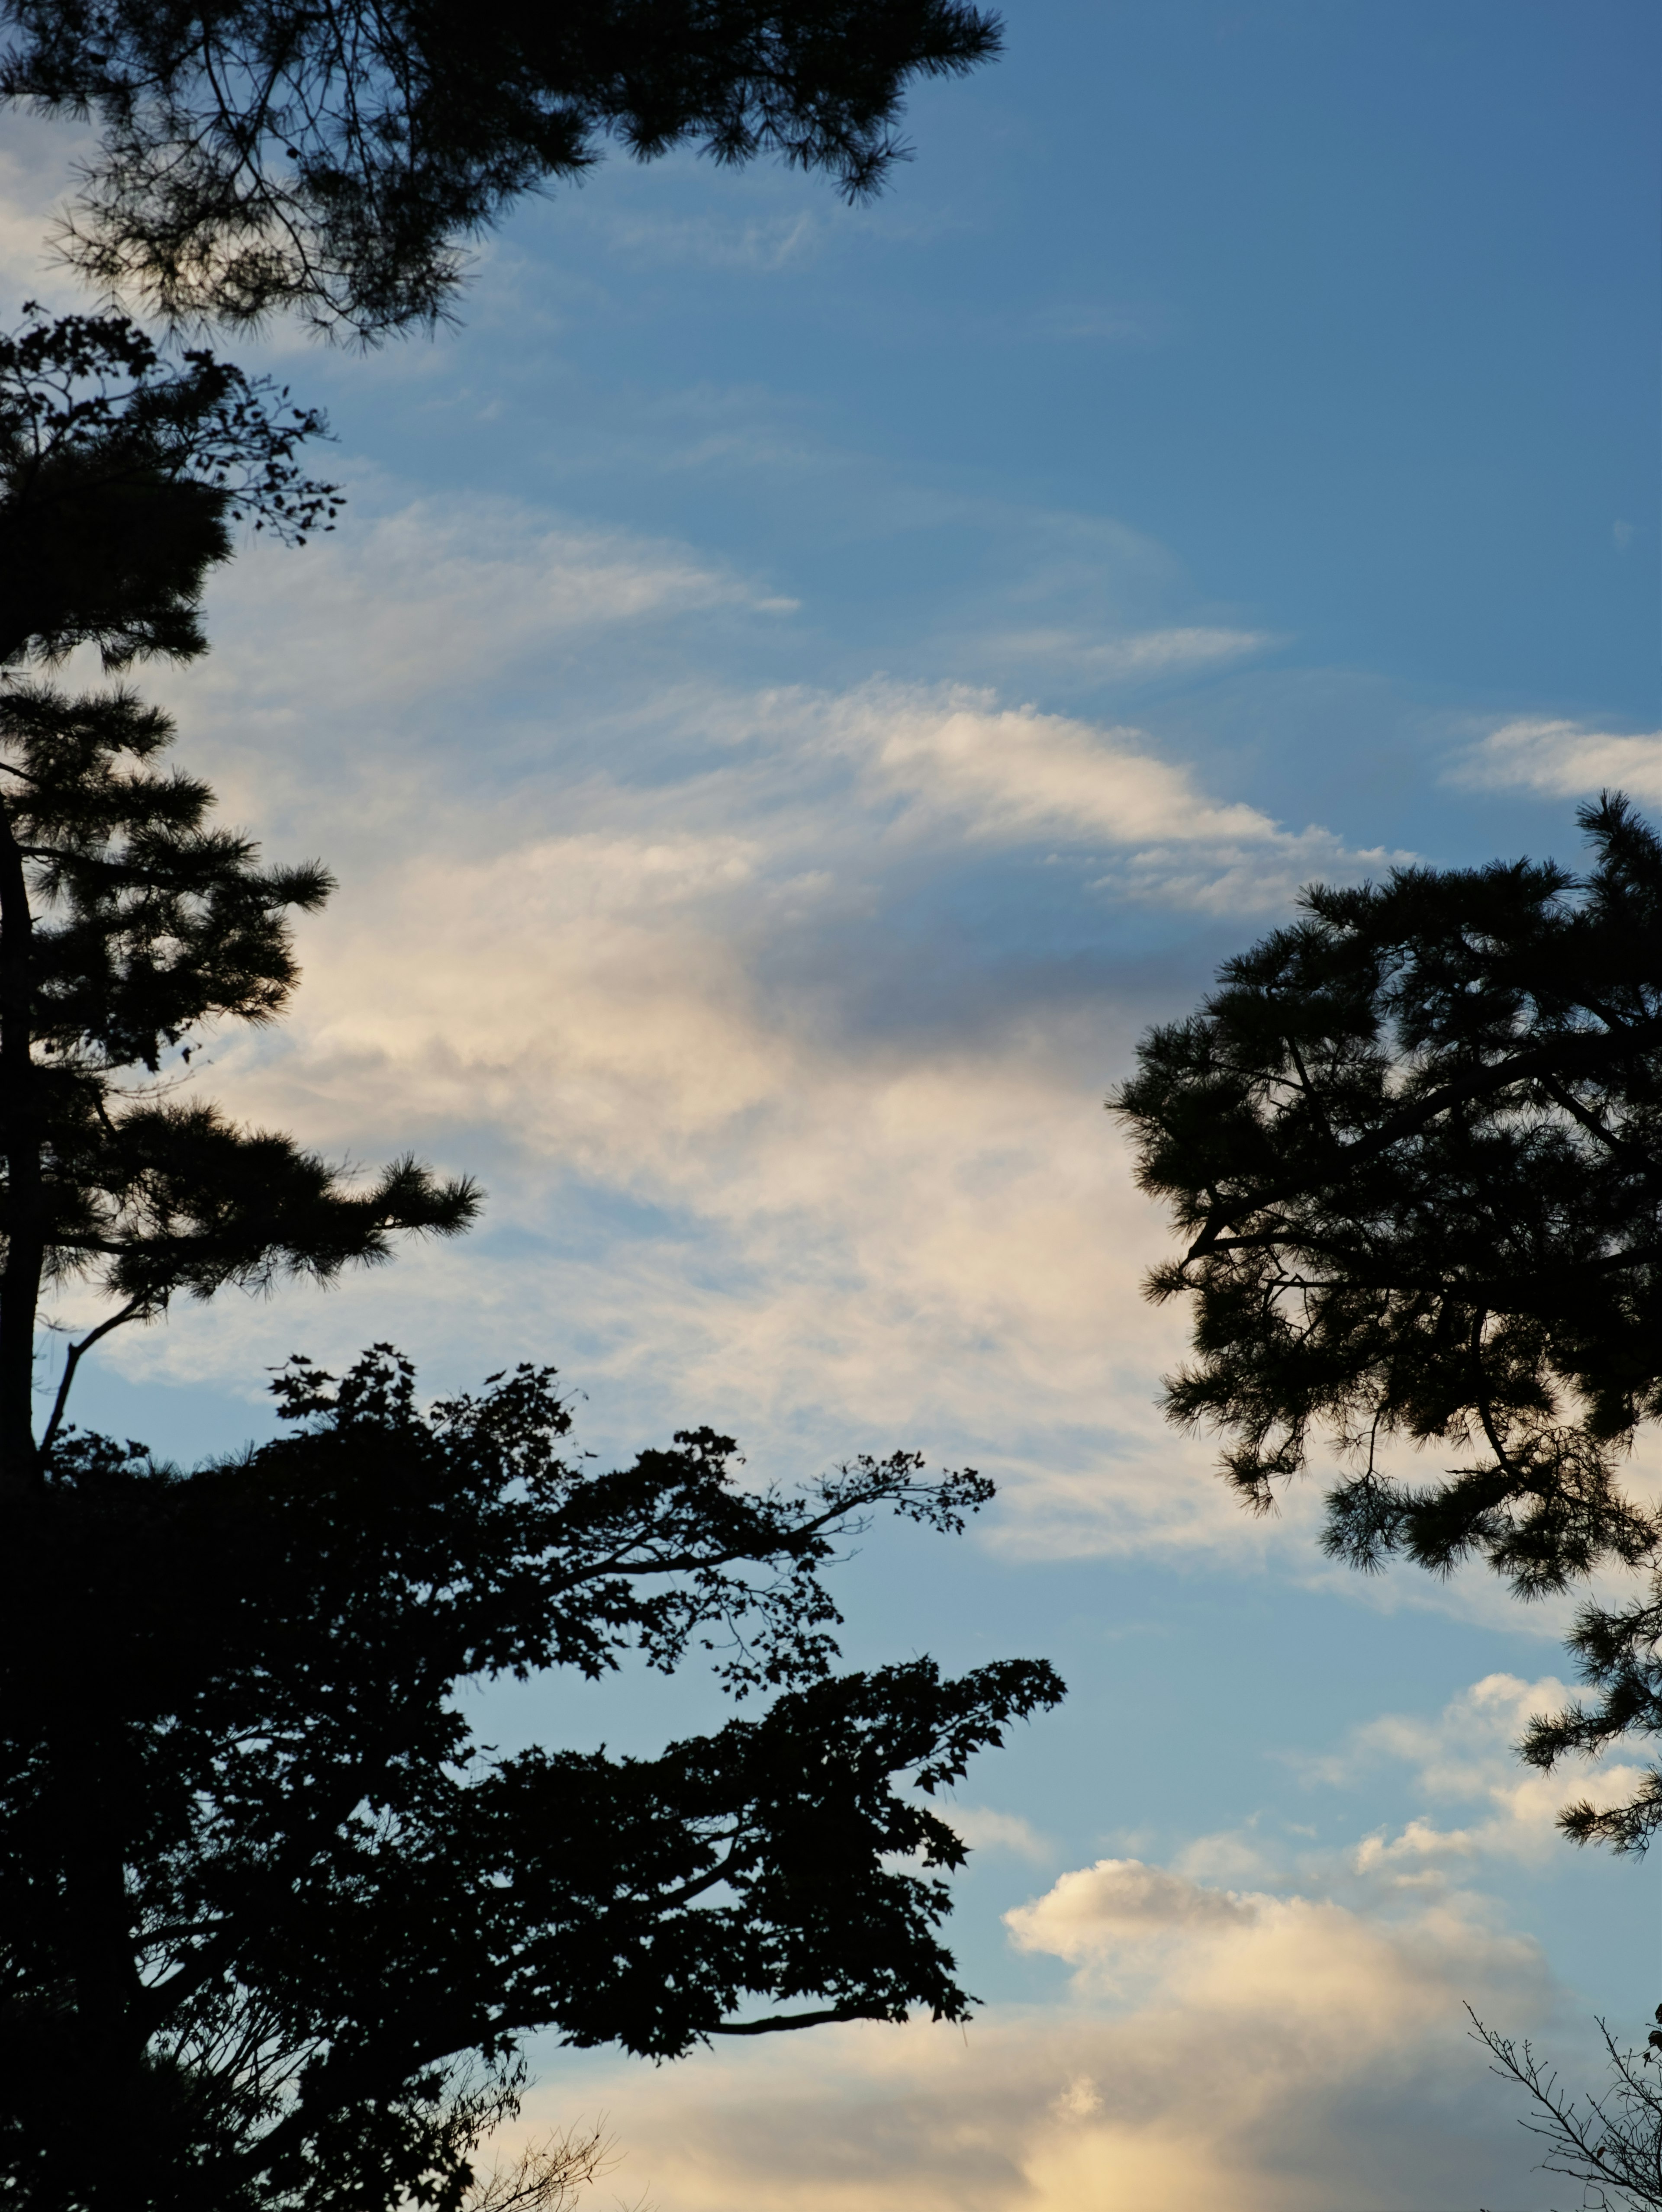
x=25 y=1199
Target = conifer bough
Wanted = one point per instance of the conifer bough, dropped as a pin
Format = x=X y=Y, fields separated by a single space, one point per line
x=332 y=155
x=1414 y=1147
x=129 y=927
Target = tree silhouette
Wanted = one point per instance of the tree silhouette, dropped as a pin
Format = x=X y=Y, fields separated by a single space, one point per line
x=261 y=1888
x=1608 y=2140
x=263 y=1900
x=128 y=927
x=122 y=474
x=1414 y=1144
x=263 y=154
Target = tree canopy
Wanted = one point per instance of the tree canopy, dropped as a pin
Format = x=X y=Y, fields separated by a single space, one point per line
x=141 y=928
x=122 y=475
x=256 y=155
x=260 y=1886
x=1414 y=1144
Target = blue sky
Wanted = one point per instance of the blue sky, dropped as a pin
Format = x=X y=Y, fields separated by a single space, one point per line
x=795 y=693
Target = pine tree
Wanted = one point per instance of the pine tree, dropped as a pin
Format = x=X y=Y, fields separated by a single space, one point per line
x=122 y=475
x=1414 y=1146
x=263 y=154
x=128 y=927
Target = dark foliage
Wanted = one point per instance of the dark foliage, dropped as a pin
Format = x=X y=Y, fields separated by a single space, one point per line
x=1415 y=1144
x=264 y=1891
x=147 y=927
x=129 y=927
x=261 y=154
x=121 y=474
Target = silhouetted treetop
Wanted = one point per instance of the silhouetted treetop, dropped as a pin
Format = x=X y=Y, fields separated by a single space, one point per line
x=1414 y=1144
x=332 y=1898
x=121 y=473
x=129 y=929
x=333 y=154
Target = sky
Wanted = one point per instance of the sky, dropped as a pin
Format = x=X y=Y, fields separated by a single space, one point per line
x=795 y=693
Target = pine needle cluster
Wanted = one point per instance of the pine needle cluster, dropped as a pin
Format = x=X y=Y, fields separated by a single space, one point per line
x=261 y=154
x=1414 y=1147
x=131 y=927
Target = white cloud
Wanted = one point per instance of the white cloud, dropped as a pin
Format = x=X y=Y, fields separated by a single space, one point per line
x=1276 y=2054
x=1140 y=657
x=916 y=1242
x=984 y=1829
x=1015 y=774
x=1117 y=1901
x=1120 y=1920
x=1564 y=758
x=1467 y=1755
x=936 y=1242
x=619 y=936
x=406 y=635
x=444 y=595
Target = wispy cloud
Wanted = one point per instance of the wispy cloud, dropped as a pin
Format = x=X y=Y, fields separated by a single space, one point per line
x=622 y=936
x=984 y=1829
x=436 y=598
x=1017 y=775
x=1139 y=656
x=1466 y=1755
x=1104 y=322
x=762 y=243
x=1013 y=776
x=1564 y=758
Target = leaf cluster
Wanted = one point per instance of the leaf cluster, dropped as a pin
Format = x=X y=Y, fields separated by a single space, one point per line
x=263 y=154
x=1414 y=1144
x=121 y=473
x=260 y=1884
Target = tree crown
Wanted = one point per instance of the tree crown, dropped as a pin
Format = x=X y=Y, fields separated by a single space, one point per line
x=121 y=473
x=333 y=1896
x=149 y=928
x=261 y=154
x=1415 y=1145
